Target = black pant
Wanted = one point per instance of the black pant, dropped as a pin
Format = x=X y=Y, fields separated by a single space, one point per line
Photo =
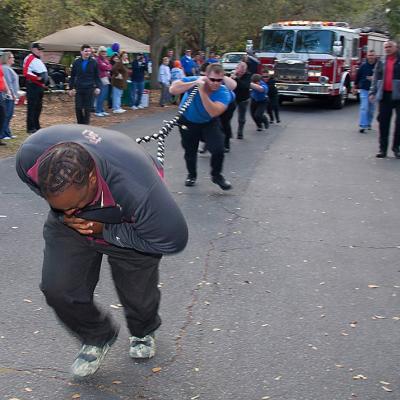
x=273 y=108
x=225 y=119
x=83 y=105
x=71 y=269
x=34 y=95
x=211 y=134
x=257 y=110
x=386 y=106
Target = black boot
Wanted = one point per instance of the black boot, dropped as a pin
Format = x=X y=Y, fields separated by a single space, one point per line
x=240 y=132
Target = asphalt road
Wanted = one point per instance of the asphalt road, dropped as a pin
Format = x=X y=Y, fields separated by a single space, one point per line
x=289 y=288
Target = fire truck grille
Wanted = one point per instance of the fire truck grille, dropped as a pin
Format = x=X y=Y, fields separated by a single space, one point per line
x=291 y=71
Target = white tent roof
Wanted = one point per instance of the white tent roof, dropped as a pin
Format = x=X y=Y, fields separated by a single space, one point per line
x=71 y=39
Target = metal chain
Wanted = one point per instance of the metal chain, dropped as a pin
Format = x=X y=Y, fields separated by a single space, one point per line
x=167 y=128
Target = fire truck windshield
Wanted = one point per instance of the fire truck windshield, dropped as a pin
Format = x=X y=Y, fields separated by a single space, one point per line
x=302 y=41
x=314 y=41
x=277 y=41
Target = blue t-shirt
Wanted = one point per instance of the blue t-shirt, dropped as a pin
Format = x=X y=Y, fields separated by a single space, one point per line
x=260 y=96
x=196 y=112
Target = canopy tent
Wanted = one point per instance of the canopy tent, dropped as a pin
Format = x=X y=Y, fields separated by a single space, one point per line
x=71 y=39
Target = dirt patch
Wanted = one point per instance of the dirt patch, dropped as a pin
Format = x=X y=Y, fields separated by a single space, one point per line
x=58 y=108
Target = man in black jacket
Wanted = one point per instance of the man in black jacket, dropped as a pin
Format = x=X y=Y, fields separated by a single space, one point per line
x=84 y=83
x=106 y=197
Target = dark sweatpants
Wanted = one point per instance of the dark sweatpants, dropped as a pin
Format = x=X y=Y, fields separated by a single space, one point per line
x=34 y=96
x=386 y=107
x=211 y=134
x=71 y=269
x=257 y=111
x=83 y=105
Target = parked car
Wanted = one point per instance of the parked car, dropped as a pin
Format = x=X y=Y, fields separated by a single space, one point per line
x=57 y=72
x=230 y=60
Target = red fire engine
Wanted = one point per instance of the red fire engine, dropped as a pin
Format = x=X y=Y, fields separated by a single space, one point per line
x=316 y=59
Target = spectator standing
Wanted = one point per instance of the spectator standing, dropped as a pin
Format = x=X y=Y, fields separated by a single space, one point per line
x=139 y=68
x=36 y=75
x=385 y=88
x=259 y=102
x=188 y=64
x=171 y=58
x=363 y=84
x=176 y=74
x=119 y=76
x=84 y=83
x=106 y=198
x=104 y=67
x=164 y=78
x=12 y=80
x=199 y=121
x=242 y=92
x=273 y=98
x=212 y=59
x=4 y=91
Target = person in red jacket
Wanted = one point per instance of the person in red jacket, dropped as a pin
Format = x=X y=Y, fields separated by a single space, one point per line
x=36 y=75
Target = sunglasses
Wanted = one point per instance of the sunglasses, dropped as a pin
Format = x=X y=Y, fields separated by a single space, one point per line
x=216 y=79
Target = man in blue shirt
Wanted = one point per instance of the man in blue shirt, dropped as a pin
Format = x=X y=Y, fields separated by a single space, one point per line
x=188 y=64
x=200 y=121
x=363 y=84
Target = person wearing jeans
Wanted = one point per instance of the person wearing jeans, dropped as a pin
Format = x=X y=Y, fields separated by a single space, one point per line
x=139 y=67
x=119 y=75
x=363 y=84
x=12 y=80
x=104 y=67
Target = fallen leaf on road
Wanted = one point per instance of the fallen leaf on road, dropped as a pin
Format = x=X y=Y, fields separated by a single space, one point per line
x=265 y=398
x=396 y=318
x=76 y=396
x=344 y=334
x=384 y=383
x=156 y=369
x=373 y=286
x=216 y=329
x=386 y=389
x=27 y=301
x=28 y=389
x=278 y=378
x=359 y=377
x=195 y=397
x=378 y=317
x=116 y=382
x=339 y=366
x=353 y=324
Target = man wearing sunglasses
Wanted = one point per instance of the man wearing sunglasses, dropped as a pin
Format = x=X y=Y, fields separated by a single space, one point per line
x=200 y=120
x=106 y=197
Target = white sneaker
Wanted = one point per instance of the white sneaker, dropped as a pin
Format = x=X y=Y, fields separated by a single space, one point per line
x=7 y=138
x=99 y=115
x=134 y=108
x=140 y=107
x=119 y=111
x=105 y=114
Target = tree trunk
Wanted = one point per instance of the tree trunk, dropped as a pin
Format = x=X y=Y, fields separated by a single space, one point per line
x=156 y=44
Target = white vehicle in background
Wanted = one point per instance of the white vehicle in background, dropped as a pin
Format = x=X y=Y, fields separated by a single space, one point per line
x=230 y=60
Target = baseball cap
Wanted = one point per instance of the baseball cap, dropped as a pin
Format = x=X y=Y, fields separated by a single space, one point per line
x=37 y=46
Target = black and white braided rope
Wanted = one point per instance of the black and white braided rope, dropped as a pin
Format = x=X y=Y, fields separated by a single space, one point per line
x=167 y=128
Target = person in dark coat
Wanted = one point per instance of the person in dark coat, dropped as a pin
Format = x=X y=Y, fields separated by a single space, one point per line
x=106 y=197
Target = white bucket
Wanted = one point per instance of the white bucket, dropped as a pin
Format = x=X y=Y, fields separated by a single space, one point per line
x=145 y=98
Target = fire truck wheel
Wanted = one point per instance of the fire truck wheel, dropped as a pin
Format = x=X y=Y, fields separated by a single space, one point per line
x=339 y=101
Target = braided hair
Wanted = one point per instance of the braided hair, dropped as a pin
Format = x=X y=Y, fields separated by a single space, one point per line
x=64 y=165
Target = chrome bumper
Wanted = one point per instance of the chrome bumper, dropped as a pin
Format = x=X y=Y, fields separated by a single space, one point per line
x=299 y=89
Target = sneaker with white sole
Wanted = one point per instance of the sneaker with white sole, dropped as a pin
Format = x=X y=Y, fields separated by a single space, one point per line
x=105 y=114
x=140 y=107
x=119 y=111
x=89 y=358
x=134 y=108
x=99 y=115
x=144 y=347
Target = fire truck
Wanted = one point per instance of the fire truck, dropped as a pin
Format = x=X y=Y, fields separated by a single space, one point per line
x=316 y=59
